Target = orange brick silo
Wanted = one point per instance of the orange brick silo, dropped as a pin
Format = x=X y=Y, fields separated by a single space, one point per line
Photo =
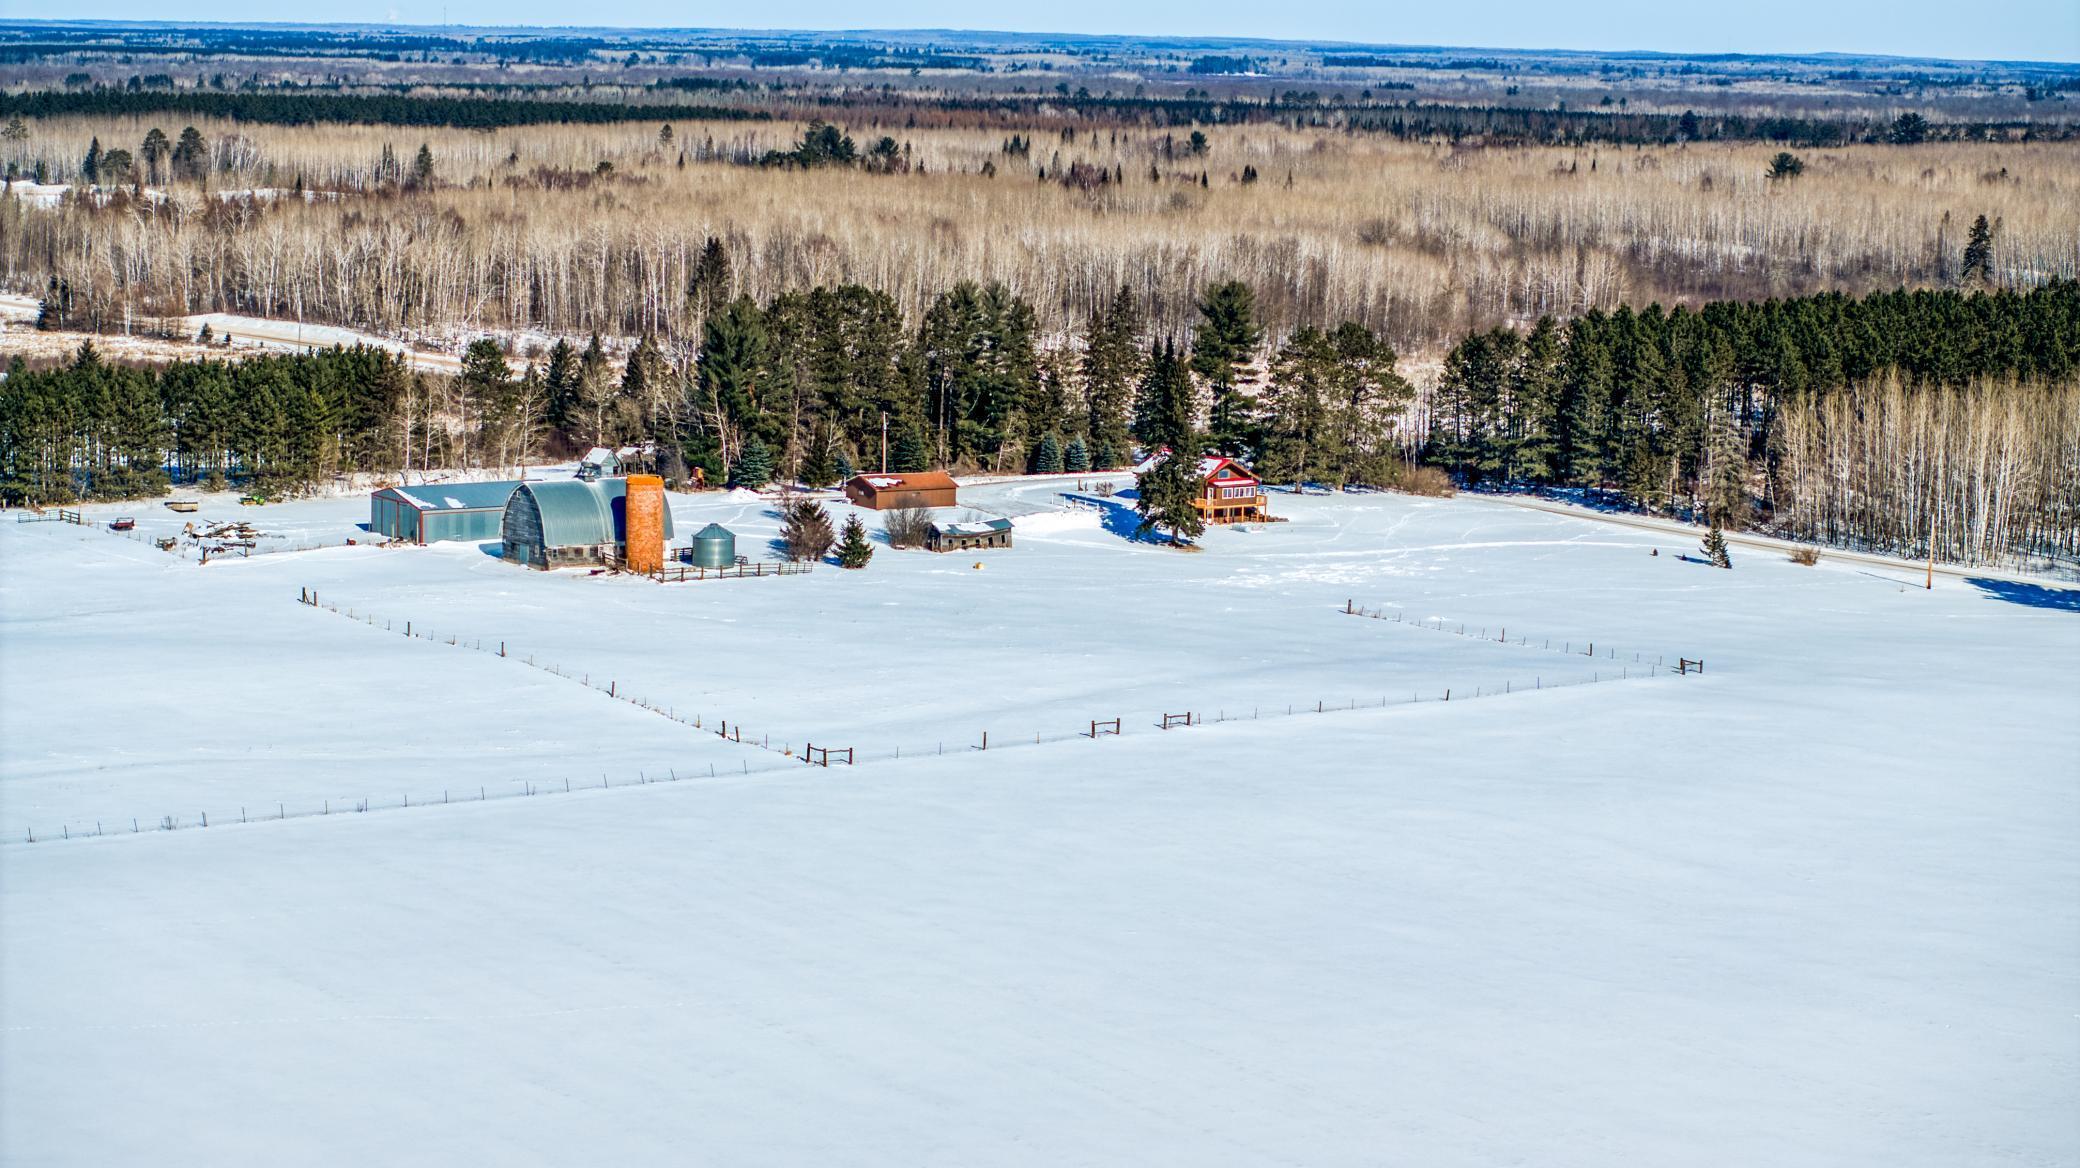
x=643 y=509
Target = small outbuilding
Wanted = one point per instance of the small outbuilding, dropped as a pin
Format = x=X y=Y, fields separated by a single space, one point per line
x=599 y=463
x=713 y=546
x=442 y=511
x=571 y=523
x=967 y=533
x=886 y=492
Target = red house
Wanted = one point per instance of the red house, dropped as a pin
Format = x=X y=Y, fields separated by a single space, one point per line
x=1228 y=492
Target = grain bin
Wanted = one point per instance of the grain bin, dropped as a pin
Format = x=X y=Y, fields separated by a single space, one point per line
x=714 y=547
x=644 y=511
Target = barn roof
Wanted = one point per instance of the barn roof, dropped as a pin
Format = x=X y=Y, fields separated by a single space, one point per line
x=576 y=513
x=599 y=456
x=971 y=525
x=918 y=480
x=453 y=496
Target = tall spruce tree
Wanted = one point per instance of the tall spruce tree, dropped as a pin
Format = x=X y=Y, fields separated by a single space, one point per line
x=708 y=285
x=1226 y=339
x=1112 y=365
x=1978 y=254
x=1163 y=404
x=1295 y=436
x=1166 y=498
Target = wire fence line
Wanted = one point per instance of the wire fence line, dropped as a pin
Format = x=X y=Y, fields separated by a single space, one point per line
x=1522 y=640
x=611 y=687
x=784 y=757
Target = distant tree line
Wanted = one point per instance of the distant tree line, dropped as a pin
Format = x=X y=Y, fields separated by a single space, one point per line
x=1849 y=420
x=306 y=107
x=1408 y=120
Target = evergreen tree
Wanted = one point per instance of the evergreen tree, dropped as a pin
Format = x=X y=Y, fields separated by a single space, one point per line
x=422 y=168
x=1978 y=254
x=90 y=168
x=805 y=529
x=190 y=156
x=1535 y=388
x=1112 y=365
x=1297 y=402
x=708 y=285
x=1784 y=166
x=730 y=371
x=1047 y=458
x=155 y=150
x=1714 y=547
x=981 y=369
x=1726 y=485
x=1586 y=376
x=1077 y=457
x=1226 y=338
x=1166 y=499
x=560 y=387
x=820 y=460
x=754 y=466
x=910 y=453
x=846 y=470
x=853 y=549
x=1163 y=403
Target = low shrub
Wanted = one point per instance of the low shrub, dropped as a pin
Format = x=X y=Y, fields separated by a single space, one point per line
x=906 y=526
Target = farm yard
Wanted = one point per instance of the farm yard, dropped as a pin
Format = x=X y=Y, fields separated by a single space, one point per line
x=1440 y=931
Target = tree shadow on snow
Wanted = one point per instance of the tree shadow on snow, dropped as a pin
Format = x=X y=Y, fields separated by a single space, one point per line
x=2033 y=595
x=1120 y=518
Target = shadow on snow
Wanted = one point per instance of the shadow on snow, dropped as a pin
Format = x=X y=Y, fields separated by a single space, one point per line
x=2033 y=595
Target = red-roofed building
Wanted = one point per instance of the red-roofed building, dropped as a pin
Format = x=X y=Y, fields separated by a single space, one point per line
x=883 y=492
x=1228 y=492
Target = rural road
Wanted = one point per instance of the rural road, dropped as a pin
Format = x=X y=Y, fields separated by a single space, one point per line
x=265 y=332
x=1918 y=568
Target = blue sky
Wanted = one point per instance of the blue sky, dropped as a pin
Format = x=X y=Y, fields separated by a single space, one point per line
x=2006 y=29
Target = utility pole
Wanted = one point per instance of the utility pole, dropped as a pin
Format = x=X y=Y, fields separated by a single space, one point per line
x=884 y=442
x=1930 y=585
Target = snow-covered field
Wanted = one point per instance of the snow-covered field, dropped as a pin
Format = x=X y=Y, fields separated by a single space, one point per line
x=1815 y=906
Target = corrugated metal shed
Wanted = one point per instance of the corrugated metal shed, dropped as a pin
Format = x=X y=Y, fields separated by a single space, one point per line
x=440 y=511
x=570 y=521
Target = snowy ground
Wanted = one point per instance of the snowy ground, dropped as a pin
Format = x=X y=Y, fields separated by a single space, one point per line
x=1813 y=907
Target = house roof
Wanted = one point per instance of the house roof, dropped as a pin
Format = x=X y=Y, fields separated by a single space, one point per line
x=582 y=514
x=599 y=455
x=1212 y=467
x=919 y=480
x=453 y=496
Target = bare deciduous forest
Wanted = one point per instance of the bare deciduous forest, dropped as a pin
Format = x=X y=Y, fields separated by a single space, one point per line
x=568 y=230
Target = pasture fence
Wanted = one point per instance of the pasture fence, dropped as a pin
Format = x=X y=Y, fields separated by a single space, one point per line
x=784 y=758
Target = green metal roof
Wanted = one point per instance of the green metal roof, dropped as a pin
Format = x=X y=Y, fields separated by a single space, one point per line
x=452 y=496
x=577 y=513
